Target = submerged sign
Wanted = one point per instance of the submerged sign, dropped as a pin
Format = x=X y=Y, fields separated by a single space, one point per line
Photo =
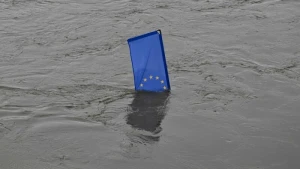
x=149 y=62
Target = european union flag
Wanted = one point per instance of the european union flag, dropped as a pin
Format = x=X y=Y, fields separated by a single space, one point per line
x=149 y=62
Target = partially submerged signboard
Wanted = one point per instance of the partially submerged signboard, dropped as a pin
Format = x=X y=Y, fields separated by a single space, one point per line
x=149 y=62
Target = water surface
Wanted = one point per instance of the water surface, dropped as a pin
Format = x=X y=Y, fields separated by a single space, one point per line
x=66 y=85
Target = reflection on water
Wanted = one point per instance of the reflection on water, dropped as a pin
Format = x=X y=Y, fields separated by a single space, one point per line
x=148 y=111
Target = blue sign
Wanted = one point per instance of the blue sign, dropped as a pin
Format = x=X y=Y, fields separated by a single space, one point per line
x=149 y=62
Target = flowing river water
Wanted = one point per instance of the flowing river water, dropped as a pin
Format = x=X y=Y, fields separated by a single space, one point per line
x=67 y=99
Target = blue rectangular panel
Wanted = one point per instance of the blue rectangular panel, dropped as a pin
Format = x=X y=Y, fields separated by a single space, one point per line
x=149 y=62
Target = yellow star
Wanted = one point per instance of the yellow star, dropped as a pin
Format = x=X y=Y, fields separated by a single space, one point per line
x=151 y=77
x=145 y=80
x=142 y=85
x=162 y=82
x=157 y=77
x=165 y=87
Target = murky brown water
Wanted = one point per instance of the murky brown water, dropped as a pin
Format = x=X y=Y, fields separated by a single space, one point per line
x=66 y=85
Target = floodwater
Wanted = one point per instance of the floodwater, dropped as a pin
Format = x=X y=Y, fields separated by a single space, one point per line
x=66 y=85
